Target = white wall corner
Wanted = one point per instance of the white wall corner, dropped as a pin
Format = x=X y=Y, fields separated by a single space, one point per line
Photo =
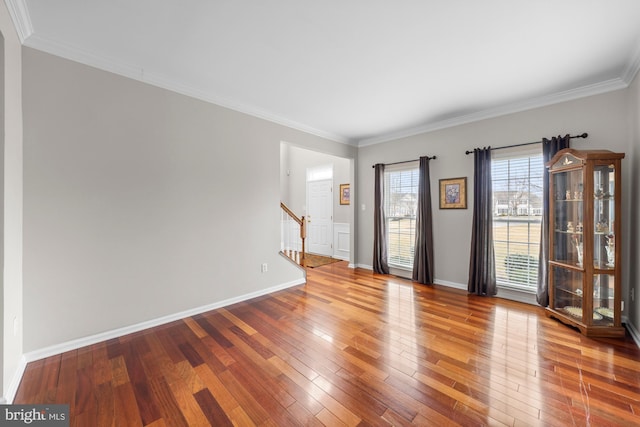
x=15 y=382
x=20 y=17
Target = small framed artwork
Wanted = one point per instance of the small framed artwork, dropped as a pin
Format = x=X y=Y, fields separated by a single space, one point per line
x=453 y=193
x=345 y=194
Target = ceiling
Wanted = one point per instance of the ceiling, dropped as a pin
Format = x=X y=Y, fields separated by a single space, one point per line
x=357 y=71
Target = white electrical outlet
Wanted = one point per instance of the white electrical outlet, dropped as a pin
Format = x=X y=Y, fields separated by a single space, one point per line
x=265 y=267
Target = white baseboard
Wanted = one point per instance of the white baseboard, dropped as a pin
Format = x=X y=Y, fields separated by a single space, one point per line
x=448 y=284
x=15 y=382
x=116 y=333
x=519 y=296
x=632 y=330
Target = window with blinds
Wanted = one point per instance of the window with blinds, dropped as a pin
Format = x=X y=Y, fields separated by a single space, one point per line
x=517 y=213
x=400 y=204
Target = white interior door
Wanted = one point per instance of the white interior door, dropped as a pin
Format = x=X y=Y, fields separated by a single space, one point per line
x=320 y=217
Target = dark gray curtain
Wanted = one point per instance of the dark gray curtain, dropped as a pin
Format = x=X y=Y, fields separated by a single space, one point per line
x=482 y=265
x=423 y=256
x=549 y=148
x=379 y=224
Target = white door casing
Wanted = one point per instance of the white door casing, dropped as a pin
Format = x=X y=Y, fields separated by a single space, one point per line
x=320 y=217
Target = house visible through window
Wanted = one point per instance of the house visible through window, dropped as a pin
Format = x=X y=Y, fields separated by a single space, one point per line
x=517 y=213
x=400 y=204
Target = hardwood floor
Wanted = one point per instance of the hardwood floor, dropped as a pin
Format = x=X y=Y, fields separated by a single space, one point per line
x=349 y=348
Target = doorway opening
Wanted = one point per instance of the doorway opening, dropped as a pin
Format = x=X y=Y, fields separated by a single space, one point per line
x=309 y=182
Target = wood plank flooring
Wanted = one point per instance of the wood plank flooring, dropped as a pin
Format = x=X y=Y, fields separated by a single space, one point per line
x=349 y=348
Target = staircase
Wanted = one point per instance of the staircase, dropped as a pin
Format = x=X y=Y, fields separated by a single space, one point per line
x=293 y=232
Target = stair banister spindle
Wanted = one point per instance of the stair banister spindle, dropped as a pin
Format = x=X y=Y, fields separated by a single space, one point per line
x=292 y=246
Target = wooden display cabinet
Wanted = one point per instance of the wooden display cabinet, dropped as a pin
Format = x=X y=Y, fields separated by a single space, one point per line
x=584 y=241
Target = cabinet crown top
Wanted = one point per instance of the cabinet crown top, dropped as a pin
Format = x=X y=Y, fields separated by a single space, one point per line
x=581 y=156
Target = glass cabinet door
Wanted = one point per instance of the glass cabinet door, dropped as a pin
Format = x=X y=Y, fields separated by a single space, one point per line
x=603 y=217
x=568 y=227
x=604 y=242
x=567 y=292
x=603 y=299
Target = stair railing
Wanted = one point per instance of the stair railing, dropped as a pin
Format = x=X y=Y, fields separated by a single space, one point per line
x=293 y=233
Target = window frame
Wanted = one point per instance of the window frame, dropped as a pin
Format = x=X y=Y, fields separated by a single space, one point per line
x=516 y=214
x=412 y=167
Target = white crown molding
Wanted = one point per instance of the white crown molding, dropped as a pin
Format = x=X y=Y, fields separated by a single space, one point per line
x=516 y=107
x=632 y=68
x=136 y=73
x=84 y=57
x=20 y=17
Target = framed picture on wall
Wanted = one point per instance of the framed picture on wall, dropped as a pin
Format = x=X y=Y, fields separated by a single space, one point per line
x=453 y=193
x=345 y=194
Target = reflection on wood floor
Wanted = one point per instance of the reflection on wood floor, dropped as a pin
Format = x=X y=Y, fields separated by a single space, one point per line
x=349 y=348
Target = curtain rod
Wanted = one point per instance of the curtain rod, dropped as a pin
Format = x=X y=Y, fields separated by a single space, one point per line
x=406 y=161
x=584 y=135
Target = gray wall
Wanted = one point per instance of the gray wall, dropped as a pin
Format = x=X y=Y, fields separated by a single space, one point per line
x=604 y=117
x=11 y=281
x=633 y=238
x=140 y=202
x=3 y=322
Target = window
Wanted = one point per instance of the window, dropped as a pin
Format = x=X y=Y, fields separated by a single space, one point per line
x=320 y=173
x=400 y=206
x=517 y=213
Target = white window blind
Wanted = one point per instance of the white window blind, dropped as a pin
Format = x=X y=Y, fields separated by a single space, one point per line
x=517 y=212
x=400 y=204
